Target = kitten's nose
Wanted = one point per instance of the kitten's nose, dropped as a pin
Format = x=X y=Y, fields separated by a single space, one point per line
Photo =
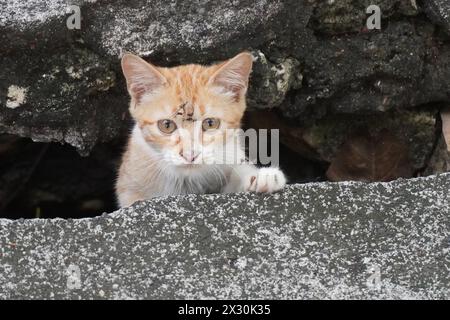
x=189 y=156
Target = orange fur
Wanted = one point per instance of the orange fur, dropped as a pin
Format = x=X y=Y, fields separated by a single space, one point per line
x=186 y=95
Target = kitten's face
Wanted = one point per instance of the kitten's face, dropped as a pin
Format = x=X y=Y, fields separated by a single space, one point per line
x=187 y=114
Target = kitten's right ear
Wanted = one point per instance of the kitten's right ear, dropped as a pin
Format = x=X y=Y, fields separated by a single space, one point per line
x=142 y=77
x=232 y=75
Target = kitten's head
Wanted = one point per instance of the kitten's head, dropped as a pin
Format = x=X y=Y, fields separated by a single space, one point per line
x=184 y=112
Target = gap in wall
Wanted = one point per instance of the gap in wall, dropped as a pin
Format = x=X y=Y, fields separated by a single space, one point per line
x=49 y=180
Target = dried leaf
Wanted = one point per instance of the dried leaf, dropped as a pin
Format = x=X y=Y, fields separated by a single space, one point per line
x=445 y=116
x=366 y=157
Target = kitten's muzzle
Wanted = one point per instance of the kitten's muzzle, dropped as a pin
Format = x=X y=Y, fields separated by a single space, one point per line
x=189 y=156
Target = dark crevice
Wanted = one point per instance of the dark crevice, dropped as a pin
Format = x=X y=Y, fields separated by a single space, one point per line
x=49 y=180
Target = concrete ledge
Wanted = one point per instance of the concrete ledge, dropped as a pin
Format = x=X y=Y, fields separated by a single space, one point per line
x=314 y=241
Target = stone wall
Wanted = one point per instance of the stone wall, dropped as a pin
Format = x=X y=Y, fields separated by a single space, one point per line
x=314 y=59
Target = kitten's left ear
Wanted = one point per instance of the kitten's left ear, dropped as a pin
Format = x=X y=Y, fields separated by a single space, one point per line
x=232 y=75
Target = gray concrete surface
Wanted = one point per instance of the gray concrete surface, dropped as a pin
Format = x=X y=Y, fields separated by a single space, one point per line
x=313 y=241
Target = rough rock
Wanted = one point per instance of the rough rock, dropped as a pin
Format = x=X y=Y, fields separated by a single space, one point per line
x=416 y=130
x=68 y=102
x=313 y=241
x=312 y=58
x=439 y=12
x=440 y=159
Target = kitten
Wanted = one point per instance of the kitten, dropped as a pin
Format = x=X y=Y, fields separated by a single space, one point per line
x=186 y=119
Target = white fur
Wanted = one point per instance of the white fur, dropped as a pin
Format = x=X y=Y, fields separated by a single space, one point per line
x=177 y=178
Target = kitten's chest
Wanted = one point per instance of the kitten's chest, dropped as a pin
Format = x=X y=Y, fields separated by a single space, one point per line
x=210 y=181
x=201 y=187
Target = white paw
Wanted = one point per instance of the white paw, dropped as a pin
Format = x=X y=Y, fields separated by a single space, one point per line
x=266 y=180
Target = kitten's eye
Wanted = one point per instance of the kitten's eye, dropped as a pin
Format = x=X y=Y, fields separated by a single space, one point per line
x=210 y=123
x=167 y=126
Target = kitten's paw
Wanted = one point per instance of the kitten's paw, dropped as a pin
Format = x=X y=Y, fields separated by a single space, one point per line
x=266 y=180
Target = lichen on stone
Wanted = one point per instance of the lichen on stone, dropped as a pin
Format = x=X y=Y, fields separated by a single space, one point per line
x=16 y=96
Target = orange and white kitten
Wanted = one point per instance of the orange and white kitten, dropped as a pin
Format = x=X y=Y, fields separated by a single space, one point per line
x=184 y=140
